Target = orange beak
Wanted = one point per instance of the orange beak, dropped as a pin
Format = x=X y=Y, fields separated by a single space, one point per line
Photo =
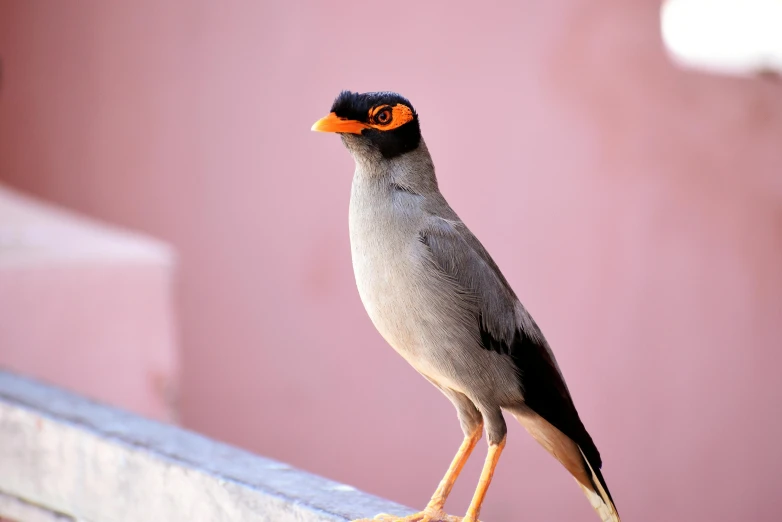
x=333 y=123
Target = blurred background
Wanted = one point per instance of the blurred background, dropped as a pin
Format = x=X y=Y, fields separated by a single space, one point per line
x=174 y=241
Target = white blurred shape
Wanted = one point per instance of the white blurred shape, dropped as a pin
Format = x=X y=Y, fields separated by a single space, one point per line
x=724 y=36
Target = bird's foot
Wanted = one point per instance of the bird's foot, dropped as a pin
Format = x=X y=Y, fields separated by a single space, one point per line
x=423 y=516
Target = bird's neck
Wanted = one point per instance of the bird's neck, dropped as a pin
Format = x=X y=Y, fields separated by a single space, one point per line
x=412 y=171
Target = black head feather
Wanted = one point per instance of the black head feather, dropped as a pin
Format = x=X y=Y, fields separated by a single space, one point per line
x=390 y=143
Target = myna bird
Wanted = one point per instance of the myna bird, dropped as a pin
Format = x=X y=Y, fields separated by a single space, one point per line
x=437 y=297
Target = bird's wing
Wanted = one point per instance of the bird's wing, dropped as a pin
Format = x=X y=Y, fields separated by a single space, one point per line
x=506 y=327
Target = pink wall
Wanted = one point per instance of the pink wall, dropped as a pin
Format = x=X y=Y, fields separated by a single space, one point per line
x=79 y=299
x=636 y=209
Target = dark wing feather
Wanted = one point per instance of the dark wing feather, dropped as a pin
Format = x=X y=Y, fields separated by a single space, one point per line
x=459 y=254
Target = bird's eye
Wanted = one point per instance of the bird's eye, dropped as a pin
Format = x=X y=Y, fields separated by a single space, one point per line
x=383 y=117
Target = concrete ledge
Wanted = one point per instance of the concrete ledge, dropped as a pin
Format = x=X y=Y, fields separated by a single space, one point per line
x=16 y=510
x=76 y=459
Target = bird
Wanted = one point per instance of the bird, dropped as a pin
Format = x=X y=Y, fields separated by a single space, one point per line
x=437 y=297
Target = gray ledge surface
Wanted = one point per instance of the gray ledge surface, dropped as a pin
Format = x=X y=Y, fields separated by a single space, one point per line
x=63 y=458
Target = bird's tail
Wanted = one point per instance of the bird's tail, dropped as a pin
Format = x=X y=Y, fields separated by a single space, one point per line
x=567 y=452
x=597 y=493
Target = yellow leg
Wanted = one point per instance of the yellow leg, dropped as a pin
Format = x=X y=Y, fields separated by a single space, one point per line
x=437 y=503
x=483 y=484
x=433 y=512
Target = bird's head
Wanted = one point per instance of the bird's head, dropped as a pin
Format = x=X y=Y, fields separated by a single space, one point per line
x=371 y=123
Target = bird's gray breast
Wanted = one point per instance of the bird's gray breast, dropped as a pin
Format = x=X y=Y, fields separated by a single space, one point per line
x=407 y=299
x=386 y=254
x=420 y=311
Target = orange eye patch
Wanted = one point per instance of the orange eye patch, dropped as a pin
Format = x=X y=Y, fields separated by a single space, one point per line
x=385 y=117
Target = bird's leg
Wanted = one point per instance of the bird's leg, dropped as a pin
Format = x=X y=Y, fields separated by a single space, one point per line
x=483 y=483
x=437 y=503
x=434 y=512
